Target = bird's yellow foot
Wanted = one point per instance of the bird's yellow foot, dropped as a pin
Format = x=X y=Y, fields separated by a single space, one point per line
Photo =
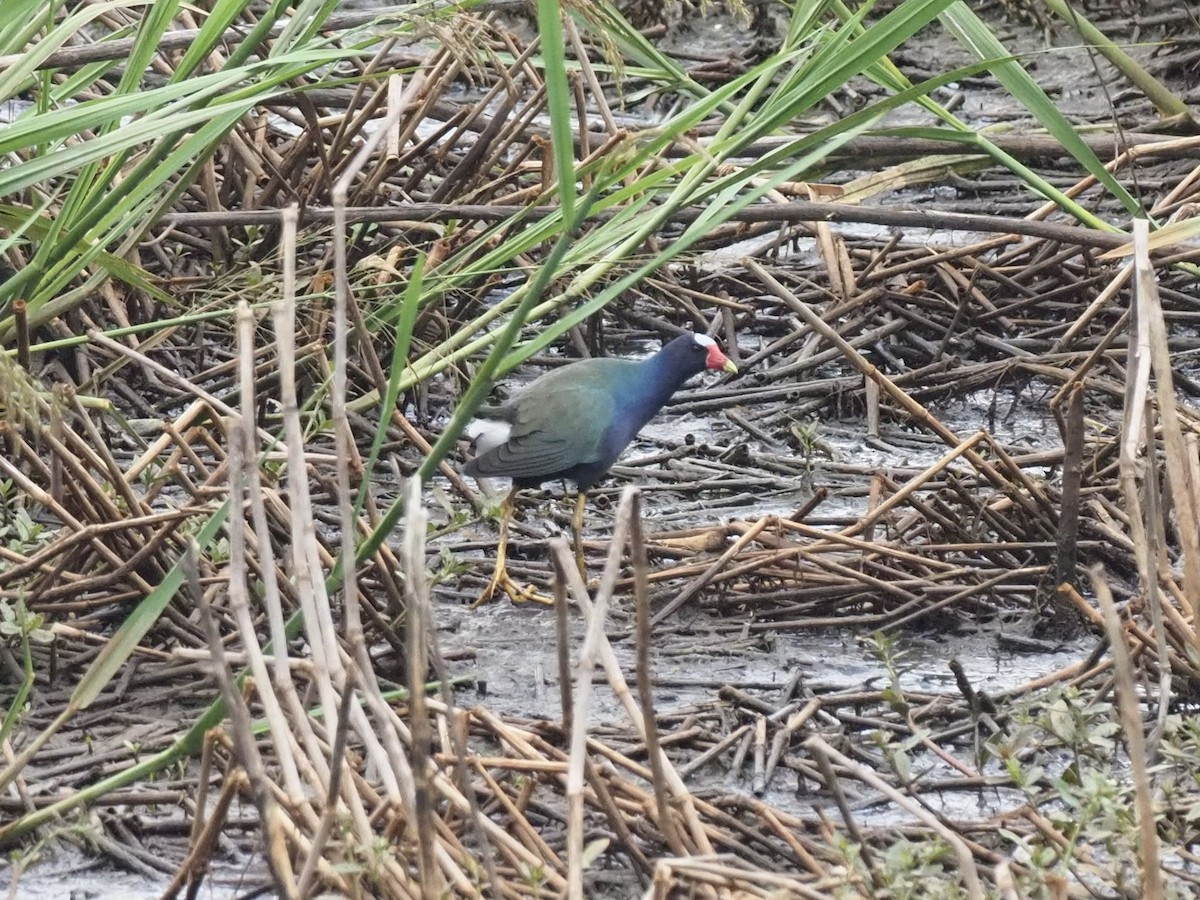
x=502 y=581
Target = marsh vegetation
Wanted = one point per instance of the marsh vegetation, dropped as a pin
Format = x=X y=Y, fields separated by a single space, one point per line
x=907 y=607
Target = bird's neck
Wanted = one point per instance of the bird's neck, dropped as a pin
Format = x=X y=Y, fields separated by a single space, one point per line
x=660 y=379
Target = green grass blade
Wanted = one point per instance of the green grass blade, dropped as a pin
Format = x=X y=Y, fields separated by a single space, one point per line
x=409 y=308
x=975 y=35
x=558 y=101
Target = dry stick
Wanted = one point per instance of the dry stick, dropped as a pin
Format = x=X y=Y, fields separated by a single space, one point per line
x=344 y=310
x=739 y=757
x=167 y=374
x=911 y=406
x=346 y=450
x=759 y=780
x=241 y=729
x=1156 y=600
x=1131 y=721
x=593 y=639
x=825 y=541
x=898 y=618
x=518 y=821
x=793 y=211
x=1070 y=426
x=496 y=834
x=783 y=735
x=834 y=786
x=714 y=751
x=595 y=91
x=35 y=492
x=1022 y=480
x=163 y=524
x=641 y=590
x=617 y=819
x=1103 y=299
x=306 y=561
x=419 y=622
x=1136 y=427
x=240 y=458
x=966 y=861
x=714 y=877
x=283 y=317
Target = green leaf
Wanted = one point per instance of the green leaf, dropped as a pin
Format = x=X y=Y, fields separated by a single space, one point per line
x=975 y=35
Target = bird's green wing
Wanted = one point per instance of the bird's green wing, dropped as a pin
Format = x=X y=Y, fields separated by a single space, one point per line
x=560 y=427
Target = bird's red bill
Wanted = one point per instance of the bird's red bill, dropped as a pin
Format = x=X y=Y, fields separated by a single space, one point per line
x=718 y=360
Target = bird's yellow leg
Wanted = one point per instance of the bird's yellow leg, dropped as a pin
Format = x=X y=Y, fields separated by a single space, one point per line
x=577 y=528
x=501 y=580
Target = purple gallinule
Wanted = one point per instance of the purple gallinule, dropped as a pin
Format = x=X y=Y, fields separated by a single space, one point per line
x=573 y=423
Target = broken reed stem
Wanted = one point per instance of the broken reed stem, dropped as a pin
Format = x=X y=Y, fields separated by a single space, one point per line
x=696 y=830
x=1070 y=424
x=759 y=780
x=907 y=403
x=306 y=567
x=1134 y=728
x=641 y=590
x=205 y=840
x=783 y=736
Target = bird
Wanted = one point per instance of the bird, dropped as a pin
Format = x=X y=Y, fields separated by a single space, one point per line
x=573 y=423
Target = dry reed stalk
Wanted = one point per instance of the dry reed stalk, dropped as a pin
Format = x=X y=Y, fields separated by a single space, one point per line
x=1103 y=300
x=562 y=645
x=783 y=736
x=1150 y=321
x=304 y=562
x=244 y=487
x=759 y=777
x=682 y=798
x=529 y=834
x=205 y=839
x=723 y=879
x=699 y=762
x=421 y=741
x=581 y=704
x=912 y=407
x=337 y=766
x=241 y=732
x=637 y=553
x=518 y=853
x=833 y=785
